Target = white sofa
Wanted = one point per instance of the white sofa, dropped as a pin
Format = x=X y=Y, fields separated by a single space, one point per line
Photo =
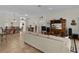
x=48 y=44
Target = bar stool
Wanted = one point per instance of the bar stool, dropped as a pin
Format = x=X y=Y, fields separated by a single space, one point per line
x=3 y=37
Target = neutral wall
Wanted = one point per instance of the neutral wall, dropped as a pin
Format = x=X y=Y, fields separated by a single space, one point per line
x=73 y=13
x=69 y=15
x=7 y=17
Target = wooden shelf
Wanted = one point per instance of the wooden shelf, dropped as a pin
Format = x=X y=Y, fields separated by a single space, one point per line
x=54 y=30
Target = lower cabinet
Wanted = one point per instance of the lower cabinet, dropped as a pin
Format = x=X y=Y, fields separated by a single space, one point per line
x=45 y=44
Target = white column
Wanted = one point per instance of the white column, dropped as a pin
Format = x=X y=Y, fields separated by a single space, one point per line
x=23 y=25
x=26 y=18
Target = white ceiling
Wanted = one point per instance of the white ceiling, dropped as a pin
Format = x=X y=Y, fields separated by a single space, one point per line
x=34 y=10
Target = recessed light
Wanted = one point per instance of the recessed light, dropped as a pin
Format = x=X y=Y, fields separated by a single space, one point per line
x=50 y=8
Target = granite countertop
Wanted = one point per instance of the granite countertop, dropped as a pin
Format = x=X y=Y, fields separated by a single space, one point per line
x=65 y=40
x=50 y=36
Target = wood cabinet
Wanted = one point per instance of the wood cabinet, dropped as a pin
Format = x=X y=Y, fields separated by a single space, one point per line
x=58 y=27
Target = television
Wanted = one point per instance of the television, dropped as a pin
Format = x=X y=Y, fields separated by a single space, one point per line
x=48 y=29
x=43 y=28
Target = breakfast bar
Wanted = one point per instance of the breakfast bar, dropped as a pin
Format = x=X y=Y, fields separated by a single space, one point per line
x=47 y=43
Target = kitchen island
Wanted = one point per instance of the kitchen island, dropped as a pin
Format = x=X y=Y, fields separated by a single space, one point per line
x=47 y=43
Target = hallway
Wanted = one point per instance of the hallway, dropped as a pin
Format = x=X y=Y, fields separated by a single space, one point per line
x=15 y=44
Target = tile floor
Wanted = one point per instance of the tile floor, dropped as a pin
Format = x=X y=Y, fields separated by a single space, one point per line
x=14 y=44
